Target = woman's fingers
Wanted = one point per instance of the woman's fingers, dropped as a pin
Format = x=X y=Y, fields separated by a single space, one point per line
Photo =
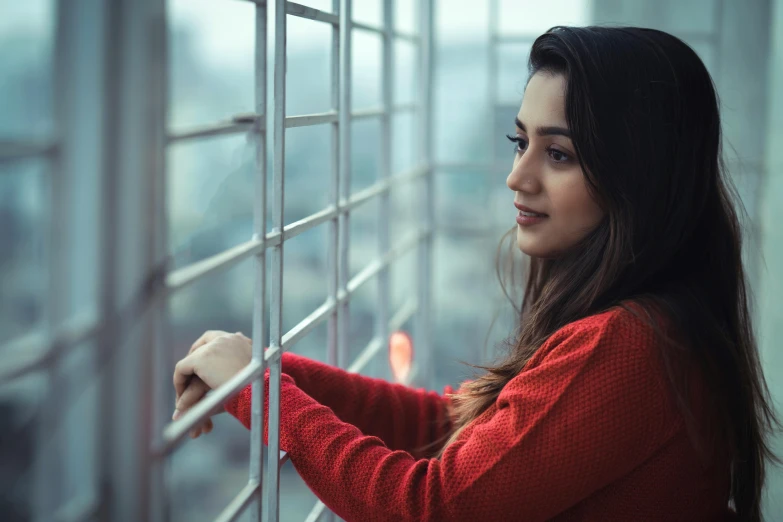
x=194 y=392
x=183 y=371
x=204 y=339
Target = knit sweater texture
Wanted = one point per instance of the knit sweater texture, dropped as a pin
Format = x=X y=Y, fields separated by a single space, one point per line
x=588 y=431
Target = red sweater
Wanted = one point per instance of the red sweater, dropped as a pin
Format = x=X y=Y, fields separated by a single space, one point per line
x=587 y=431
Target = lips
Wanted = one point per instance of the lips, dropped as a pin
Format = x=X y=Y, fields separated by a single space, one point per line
x=529 y=211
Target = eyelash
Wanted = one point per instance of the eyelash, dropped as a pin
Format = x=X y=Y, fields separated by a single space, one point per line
x=550 y=150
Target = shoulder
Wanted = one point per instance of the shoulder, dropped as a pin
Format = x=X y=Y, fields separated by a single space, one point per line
x=626 y=320
x=621 y=335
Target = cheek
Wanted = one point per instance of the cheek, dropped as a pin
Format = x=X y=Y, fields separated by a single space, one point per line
x=578 y=211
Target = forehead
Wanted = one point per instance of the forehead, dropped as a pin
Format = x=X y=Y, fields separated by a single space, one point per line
x=544 y=100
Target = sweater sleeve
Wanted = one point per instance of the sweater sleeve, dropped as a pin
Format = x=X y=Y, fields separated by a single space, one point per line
x=588 y=412
x=402 y=417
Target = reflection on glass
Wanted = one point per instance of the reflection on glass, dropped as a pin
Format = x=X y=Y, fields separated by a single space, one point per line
x=210 y=196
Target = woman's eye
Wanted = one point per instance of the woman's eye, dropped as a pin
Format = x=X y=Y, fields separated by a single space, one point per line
x=520 y=143
x=558 y=156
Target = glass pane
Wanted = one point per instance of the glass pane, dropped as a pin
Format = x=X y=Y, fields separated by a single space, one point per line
x=406 y=209
x=404 y=140
x=308 y=75
x=366 y=70
x=211 y=62
x=462 y=22
x=26 y=62
x=308 y=171
x=20 y=444
x=305 y=282
x=706 y=52
x=461 y=110
x=210 y=196
x=363 y=244
x=461 y=199
x=512 y=72
x=462 y=277
x=365 y=153
x=24 y=221
x=368 y=12
x=533 y=18
x=405 y=15
x=80 y=422
x=405 y=76
x=363 y=306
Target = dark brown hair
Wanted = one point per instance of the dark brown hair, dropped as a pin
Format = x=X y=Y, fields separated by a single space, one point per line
x=643 y=113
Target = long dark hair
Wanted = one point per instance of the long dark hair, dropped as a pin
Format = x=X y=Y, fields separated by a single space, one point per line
x=643 y=113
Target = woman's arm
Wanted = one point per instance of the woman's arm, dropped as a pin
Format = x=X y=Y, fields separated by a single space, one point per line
x=402 y=417
x=588 y=413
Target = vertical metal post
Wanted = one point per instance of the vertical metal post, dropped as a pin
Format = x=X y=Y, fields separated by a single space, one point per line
x=344 y=161
x=158 y=356
x=135 y=159
x=426 y=64
x=48 y=459
x=492 y=93
x=258 y=450
x=334 y=189
x=112 y=38
x=384 y=208
x=272 y=511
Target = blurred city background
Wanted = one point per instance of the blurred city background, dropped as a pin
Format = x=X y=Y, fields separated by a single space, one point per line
x=210 y=199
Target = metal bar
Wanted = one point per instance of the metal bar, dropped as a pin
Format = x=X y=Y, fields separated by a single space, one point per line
x=367 y=27
x=78 y=509
x=376 y=266
x=175 y=431
x=159 y=397
x=405 y=107
x=19 y=150
x=310 y=13
x=38 y=350
x=246 y=496
x=424 y=279
x=113 y=42
x=413 y=38
x=272 y=508
x=49 y=446
x=364 y=114
x=182 y=277
x=384 y=208
x=316 y=512
x=334 y=198
x=258 y=451
x=304 y=327
x=308 y=120
x=344 y=162
x=217 y=129
x=492 y=91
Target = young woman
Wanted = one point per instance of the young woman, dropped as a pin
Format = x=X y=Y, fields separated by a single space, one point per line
x=632 y=390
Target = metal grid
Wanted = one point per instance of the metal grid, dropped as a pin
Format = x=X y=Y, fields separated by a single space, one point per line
x=133 y=294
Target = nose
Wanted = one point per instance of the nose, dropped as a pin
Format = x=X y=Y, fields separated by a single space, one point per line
x=524 y=176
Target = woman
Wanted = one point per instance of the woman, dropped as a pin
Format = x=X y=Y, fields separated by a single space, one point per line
x=632 y=390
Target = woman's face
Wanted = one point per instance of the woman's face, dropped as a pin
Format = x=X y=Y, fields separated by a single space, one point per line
x=546 y=176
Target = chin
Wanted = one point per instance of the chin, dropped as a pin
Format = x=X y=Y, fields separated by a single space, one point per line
x=532 y=246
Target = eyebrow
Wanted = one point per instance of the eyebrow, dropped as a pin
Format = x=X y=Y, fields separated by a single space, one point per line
x=546 y=131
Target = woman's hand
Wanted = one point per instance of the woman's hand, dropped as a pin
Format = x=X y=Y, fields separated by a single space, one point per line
x=211 y=361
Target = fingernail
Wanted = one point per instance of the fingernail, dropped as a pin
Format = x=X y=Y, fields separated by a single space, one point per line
x=176 y=415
